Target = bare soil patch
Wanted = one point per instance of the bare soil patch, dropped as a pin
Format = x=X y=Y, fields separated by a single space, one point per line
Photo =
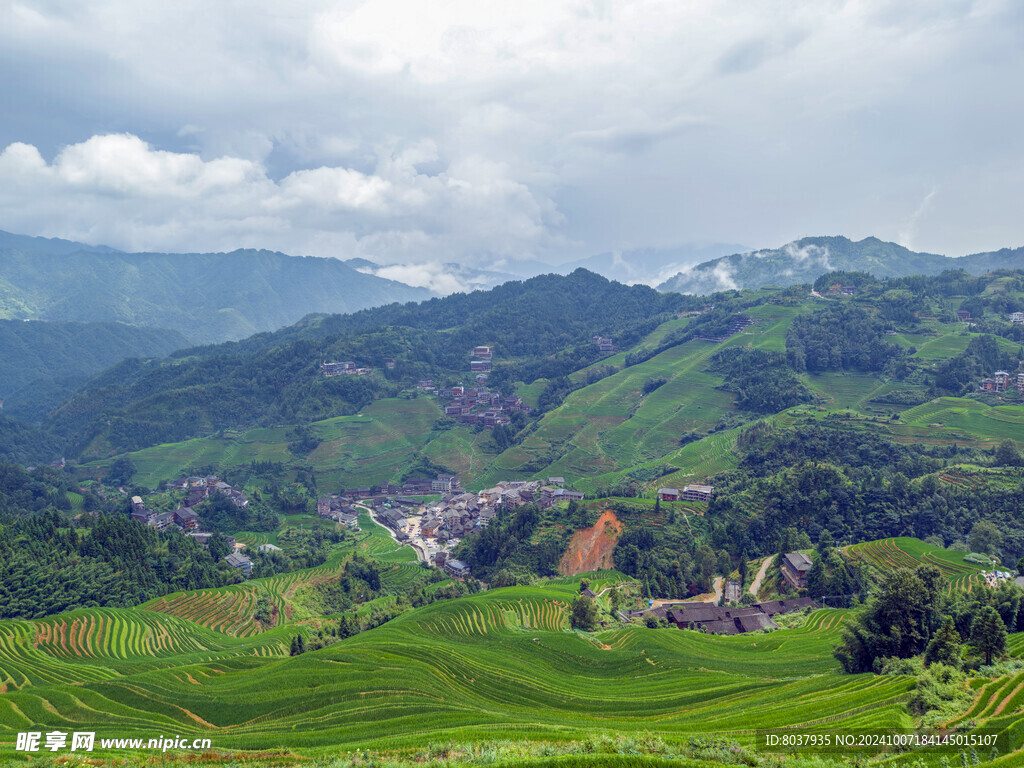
x=590 y=549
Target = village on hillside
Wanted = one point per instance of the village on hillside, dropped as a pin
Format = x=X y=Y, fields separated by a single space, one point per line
x=433 y=527
x=189 y=522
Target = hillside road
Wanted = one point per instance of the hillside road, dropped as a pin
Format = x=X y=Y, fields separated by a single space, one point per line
x=755 y=586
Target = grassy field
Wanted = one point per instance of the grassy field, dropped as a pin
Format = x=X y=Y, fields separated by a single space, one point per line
x=962 y=420
x=603 y=431
x=611 y=426
x=363 y=449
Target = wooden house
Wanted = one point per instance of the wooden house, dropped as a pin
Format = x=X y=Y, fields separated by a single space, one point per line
x=795 y=567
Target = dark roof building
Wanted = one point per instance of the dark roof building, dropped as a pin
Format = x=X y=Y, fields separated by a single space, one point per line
x=795 y=566
x=240 y=561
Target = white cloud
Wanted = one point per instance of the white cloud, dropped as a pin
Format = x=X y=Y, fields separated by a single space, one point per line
x=818 y=253
x=119 y=190
x=544 y=127
x=432 y=275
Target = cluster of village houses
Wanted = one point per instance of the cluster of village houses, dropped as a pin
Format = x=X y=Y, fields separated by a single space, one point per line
x=185 y=517
x=476 y=405
x=722 y=619
x=433 y=528
x=1003 y=380
x=187 y=520
x=727 y=620
x=480 y=405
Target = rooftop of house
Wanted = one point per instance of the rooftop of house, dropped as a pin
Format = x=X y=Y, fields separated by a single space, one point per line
x=798 y=561
x=700 y=488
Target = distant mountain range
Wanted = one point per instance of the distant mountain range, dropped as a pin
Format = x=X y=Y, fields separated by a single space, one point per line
x=644 y=265
x=207 y=297
x=804 y=260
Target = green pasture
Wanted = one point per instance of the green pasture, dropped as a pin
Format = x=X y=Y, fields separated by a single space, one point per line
x=611 y=425
x=963 y=420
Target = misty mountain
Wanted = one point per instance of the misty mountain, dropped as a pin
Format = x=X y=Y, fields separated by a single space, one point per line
x=648 y=265
x=804 y=260
x=204 y=296
x=644 y=265
x=444 y=278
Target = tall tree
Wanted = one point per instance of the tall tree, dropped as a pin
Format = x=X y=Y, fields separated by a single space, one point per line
x=584 y=613
x=988 y=633
x=945 y=647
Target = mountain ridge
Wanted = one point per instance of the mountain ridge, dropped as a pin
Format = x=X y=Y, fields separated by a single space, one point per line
x=206 y=297
x=806 y=259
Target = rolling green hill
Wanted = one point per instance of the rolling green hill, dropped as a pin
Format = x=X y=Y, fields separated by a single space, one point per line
x=367 y=448
x=502 y=664
x=607 y=431
x=539 y=328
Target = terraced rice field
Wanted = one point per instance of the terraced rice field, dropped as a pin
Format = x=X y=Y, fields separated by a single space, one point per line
x=887 y=554
x=958 y=419
x=499 y=664
x=117 y=634
x=228 y=610
x=495 y=665
x=611 y=426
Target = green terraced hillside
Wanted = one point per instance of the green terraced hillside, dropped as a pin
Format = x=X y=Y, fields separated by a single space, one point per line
x=905 y=552
x=495 y=665
x=499 y=665
x=611 y=426
x=370 y=447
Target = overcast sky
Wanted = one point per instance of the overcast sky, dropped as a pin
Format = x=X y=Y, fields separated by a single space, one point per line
x=410 y=131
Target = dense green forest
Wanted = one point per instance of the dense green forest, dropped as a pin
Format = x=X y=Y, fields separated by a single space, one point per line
x=50 y=563
x=45 y=363
x=26 y=444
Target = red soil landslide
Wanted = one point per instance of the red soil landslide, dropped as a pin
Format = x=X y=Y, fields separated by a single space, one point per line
x=591 y=548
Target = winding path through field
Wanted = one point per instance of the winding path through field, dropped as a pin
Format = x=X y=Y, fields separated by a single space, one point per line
x=421 y=554
x=755 y=586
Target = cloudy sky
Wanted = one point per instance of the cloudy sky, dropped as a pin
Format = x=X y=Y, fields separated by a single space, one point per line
x=462 y=130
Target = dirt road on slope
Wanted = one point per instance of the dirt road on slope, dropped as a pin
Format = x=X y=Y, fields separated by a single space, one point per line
x=755 y=586
x=718 y=589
